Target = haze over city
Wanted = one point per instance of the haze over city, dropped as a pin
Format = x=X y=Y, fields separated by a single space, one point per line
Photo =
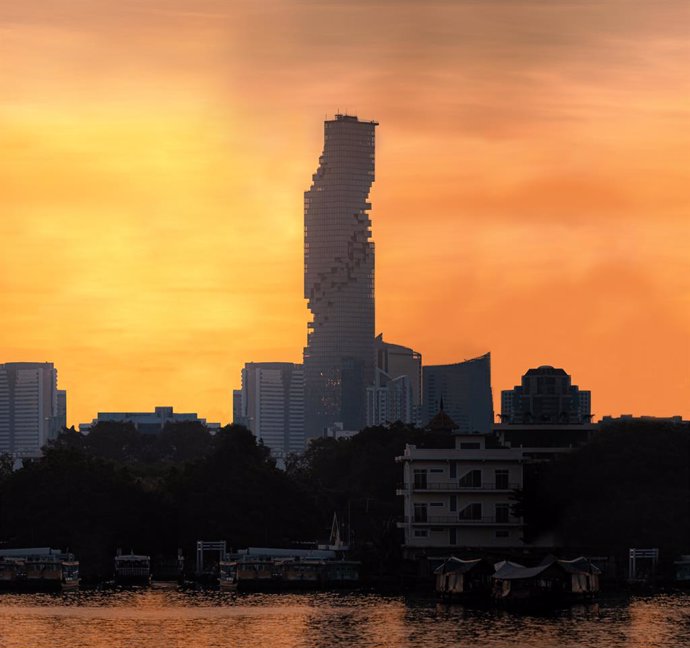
x=530 y=196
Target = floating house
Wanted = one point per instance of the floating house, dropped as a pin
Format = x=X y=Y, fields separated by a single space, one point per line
x=551 y=581
x=464 y=579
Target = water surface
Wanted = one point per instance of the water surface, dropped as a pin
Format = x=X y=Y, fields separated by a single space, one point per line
x=170 y=619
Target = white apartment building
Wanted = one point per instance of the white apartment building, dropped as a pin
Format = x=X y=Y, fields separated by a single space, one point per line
x=31 y=410
x=460 y=497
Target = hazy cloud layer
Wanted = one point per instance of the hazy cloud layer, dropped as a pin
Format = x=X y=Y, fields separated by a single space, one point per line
x=531 y=193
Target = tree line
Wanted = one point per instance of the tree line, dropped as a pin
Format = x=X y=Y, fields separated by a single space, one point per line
x=117 y=488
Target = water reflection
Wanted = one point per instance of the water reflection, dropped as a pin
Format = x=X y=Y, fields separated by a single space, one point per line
x=168 y=618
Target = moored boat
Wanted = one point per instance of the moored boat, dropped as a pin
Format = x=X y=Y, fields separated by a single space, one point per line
x=132 y=569
x=227 y=575
x=38 y=569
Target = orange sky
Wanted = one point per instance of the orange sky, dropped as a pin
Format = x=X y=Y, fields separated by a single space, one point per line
x=531 y=195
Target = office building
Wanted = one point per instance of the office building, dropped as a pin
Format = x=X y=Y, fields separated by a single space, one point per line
x=237 y=416
x=30 y=407
x=339 y=279
x=464 y=390
x=148 y=422
x=396 y=394
x=272 y=405
x=546 y=397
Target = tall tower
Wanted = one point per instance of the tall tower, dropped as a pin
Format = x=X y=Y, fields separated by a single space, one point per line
x=339 y=358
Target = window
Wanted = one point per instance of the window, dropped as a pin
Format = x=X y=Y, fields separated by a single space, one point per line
x=502 y=534
x=471 y=512
x=436 y=503
x=421 y=533
x=453 y=503
x=436 y=470
x=502 y=479
x=420 y=478
x=453 y=469
x=453 y=536
x=420 y=513
x=470 y=446
x=502 y=512
x=471 y=479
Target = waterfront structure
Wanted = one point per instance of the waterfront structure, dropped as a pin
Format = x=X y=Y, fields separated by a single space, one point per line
x=546 y=397
x=458 y=493
x=463 y=390
x=272 y=405
x=396 y=394
x=460 y=497
x=148 y=422
x=30 y=407
x=339 y=278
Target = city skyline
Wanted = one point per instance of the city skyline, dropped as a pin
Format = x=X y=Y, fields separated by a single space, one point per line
x=531 y=194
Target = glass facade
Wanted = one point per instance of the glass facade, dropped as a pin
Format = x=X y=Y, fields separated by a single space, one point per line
x=339 y=358
x=465 y=390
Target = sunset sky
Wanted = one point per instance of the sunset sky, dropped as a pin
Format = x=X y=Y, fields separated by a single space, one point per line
x=531 y=196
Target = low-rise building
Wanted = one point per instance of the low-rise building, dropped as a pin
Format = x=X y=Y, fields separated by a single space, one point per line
x=148 y=422
x=460 y=497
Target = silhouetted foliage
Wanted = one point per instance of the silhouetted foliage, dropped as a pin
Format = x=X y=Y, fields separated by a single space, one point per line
x=629 y=487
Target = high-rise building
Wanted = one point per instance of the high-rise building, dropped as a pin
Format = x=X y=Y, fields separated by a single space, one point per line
x=29 y=407
x=237 y=416
x=396 y=394
x=546 y=396
x=464 y=390
x=272 y=405
x=339 y=278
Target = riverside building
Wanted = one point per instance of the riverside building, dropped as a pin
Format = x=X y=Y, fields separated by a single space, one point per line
x=339 y=278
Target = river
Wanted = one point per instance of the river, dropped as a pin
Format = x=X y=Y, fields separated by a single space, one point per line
x=170 y=619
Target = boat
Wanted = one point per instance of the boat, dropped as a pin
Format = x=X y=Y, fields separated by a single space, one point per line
x=301 y=573
x=38 y=569
x=11 y=572
x=132 y=569
x=227 y=575
x=553 y=581
x=458 y=579
x=257 y=574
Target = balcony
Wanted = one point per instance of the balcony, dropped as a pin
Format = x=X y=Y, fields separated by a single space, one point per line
x=454 y=520
x=455 y=487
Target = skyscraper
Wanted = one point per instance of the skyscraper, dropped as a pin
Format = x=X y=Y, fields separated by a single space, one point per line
x=339 y=278
x=465 y=390
x=272 y=405
x=29 y=407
